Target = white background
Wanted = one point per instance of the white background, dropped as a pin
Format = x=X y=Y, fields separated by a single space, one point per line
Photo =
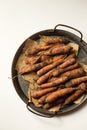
x=18 y=20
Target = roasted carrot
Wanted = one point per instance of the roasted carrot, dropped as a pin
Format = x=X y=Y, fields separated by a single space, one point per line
x=59 y=70
x=74 y=73
x=30 y=68
x=58 y=40
x=55 y=82
x=60 y=50
x=71 y=55
x=76 y=81
x=67 y=63
x=59 y=93
x=76 y=94
x=44 y=77
x=49 y=67
x=36 y=50
x=41 y=100
x=71 y=67
x=52 y=79
x=50 y=59
x=39 y=93
x=49 y=105
x=32 y=59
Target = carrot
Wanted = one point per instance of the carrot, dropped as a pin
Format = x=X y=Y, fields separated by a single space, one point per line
x=59 y=93
x=72 y=55
x=50 y=59
x=30 y=68
x=32 y=59
x=60 y=50
x=41 y=100
x=59 y=70
x=58 y=40
x=67 y=63
x=49 y=67
x=49 y=105
x=74 y=73
x=76 y=94
x=38 y=93
x=76 y=81
x=71 y=67
x=44 y=77
x=55 y=82
x=52 y=79
x=36 y=50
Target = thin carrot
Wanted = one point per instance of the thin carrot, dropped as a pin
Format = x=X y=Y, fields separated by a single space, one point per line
x=49 y=105
x=44 y=77
x=36 y=50
x=61 y=50
x=58 y=40
x=76 y=94
x=55 y=82
x=49 y=67
x=30 y=68
x=59 y=70
x=76 y=81
x=38 y=93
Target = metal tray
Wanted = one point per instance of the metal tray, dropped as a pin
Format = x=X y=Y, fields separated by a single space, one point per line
x=21 y=86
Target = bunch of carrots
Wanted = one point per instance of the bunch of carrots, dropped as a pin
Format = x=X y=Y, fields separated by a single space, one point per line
x=59 y=77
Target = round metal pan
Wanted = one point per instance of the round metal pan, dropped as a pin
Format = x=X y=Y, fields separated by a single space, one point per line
x=21 y=85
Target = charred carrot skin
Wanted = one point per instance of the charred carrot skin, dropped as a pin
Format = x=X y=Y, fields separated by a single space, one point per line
x=44 y=77
x=36 y=50
x=49 y=105
x=32 y=60
x=61 y=50
x=74 y=73
x=31 y=68
x=58 y=81
x=39 y=93
x=76 y=81
x=59 y=70
x=76 y=94
x=49 y=67
x=67 y=63
x=59 y=93
x=58 y=40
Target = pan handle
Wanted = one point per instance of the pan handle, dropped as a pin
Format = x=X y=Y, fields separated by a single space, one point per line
x=70 y=28
x=37 y=113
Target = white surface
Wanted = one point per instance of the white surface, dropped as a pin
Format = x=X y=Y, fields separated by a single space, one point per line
x=18 y=20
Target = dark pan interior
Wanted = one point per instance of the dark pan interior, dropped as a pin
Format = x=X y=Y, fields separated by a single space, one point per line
x=21 y=85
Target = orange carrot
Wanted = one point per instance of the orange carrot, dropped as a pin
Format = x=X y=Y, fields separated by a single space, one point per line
x=76 y=94
x=59 y=70
x=59 y=93
x=67 y=63
x=55 y=82
x=58 y=40
x=74 y=73
x=30 y=68
x=39 y=93
x=36 y=50
x=44 y=77
x=76 y=81
x=49 y=67
x=61 y=50
x=32 y=59
x=49 y=105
